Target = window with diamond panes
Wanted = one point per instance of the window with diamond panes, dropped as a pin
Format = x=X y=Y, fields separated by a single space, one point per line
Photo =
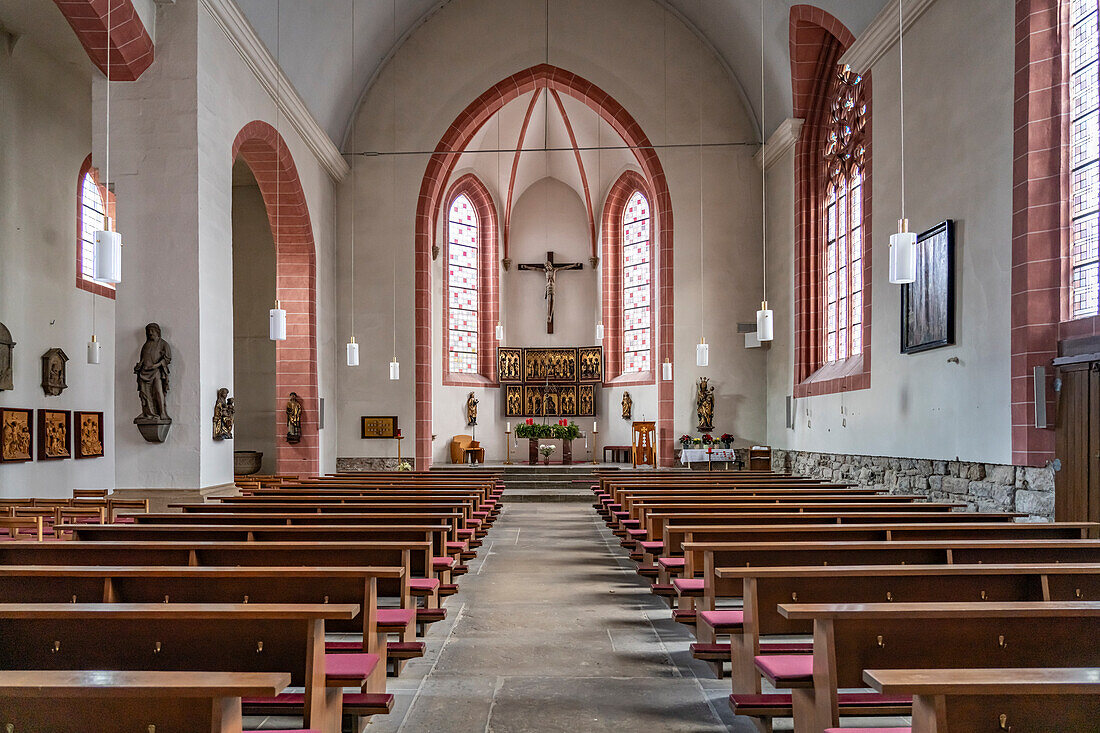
x=637 y=285
x=1084 y=158
x=462 y=281
x=93 y=218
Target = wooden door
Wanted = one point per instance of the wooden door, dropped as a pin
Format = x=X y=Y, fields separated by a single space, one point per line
x=1077 y=429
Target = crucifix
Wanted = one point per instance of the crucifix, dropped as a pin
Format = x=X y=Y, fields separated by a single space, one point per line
x=550 y=269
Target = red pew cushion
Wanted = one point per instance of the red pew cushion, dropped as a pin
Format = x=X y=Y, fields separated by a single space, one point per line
x=723 y=620
x=349 y=667
x=786 y=669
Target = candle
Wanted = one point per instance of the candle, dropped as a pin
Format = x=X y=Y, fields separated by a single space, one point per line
x=594 y=430
x=507 y=427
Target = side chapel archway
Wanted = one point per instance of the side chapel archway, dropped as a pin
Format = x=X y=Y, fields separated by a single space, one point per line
x=261 y=147
x=431 y=198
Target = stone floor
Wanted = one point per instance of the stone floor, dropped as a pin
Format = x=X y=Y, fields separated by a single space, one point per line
x=553 y=631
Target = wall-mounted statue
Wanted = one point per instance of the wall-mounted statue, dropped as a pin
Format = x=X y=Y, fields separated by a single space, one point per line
x=223 y=415
x=471 y=409
x=152 y=382
x=7 y=346
x=628 y=406
x=294 y=418
x=53 y=372
x=704 y=405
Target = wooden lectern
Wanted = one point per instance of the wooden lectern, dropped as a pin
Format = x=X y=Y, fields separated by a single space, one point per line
x=643 y=443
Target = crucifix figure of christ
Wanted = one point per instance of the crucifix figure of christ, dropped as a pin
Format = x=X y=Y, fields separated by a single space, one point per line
x=550 y=269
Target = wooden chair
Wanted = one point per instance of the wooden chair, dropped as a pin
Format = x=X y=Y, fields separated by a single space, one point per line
x=89 y=493
x=14 y=526
x=463 y=446
x=78 y=515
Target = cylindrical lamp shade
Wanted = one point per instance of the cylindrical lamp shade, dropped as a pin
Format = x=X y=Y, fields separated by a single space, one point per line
x=599 y=332
x=93 y=351
x=765 y=330
x=276 y=323
x=353 y=352
x=395 y=370
x=702 y=353
x=108 y=257
x=903 y=255
x=500 y=332
x=666 y=371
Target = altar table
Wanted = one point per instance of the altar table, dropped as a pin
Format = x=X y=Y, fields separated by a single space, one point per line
x=703 y=455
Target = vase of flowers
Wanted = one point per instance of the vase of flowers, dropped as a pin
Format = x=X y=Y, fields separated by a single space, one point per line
x=546 y=450
x=708 y=439
x=727 y=440
x=685 y=441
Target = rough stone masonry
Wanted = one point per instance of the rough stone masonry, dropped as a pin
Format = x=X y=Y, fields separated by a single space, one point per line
x=985 y=487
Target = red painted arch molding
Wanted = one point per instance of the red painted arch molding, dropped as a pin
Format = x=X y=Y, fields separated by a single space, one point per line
x=130 y=45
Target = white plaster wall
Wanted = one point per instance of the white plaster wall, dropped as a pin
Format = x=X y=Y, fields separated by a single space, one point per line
x=620 y=46
x=45 y=134
x=958 y=166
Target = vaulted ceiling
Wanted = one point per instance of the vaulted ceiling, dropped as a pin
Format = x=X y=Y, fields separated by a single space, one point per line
x=313 y=40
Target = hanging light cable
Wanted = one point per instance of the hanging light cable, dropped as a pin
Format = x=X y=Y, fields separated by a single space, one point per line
x=107 y=251
x=666 y=367
x=395 y=365
x=352 y=346
x=500 y=327
x=903 y=245
x=702 y=349
x=276 y=317
x=93 y=345
x=599 y=191
x=765 y=330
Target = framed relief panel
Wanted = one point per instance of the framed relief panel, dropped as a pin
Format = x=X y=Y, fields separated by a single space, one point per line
x=89 y=434
x=55 y=440
x=378 y=426
x=16 y=435
x=928 y=304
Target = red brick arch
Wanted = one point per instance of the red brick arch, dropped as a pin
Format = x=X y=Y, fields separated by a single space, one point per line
x=129 y=44
x=261 y=147
x=431 y=199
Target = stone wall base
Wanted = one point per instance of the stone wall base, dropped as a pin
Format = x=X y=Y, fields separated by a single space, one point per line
x=383 y=463
x=985 y=487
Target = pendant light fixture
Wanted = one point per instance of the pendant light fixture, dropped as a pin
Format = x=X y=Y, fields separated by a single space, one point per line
x=107 y=260
x=93 y=345
x=702 y=349
x=599 y=189
x=666 y=366
x=352 y=346
x=276 y=317
x=765 y=330
x=499 y=331
x=395 y=365
x=903 y=245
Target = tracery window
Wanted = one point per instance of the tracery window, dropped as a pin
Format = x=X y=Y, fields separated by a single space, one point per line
x=463 y=272
x=637 y=285
x=842 y=260
x=1084 y=159
x=95 y=212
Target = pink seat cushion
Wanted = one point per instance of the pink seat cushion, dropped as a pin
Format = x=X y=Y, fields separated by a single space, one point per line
x=458 y=546
x=481 y=515
x=443 y=562
x=786 y=669
x=473 y=522
x=688 y=585
x=395 y=616
x=424 y=583
x=720 y=620
x=296 y=730
x=671 y=562
x=653 y=546
x=354 y=667
x=868 y=730
x=465 y=533
x=636 y=532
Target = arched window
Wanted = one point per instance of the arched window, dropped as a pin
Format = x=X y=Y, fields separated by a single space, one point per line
x=471 y=284
x=637 y=285
x=95 y=211
x=843 y=220
x=1084 y=159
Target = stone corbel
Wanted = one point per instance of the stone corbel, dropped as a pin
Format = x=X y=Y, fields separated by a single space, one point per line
x=594 y=262
x=506 y=263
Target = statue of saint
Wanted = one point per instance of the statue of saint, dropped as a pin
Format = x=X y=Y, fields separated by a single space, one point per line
x=294 y=418
x=223 y=415
x=152 y=375
x=471 y=409
x=704 y=405
x=628 y=406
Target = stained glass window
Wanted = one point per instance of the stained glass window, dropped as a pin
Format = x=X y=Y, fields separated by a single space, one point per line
x=1084 y=159
x=462 y=281
x=842 y=261
x=93 y=217
x=637 y=284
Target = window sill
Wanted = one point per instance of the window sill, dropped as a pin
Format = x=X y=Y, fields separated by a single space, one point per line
x=634 y=379
x=835 y=377
x=1079 y=328
x=95 y=288
x=451 y=379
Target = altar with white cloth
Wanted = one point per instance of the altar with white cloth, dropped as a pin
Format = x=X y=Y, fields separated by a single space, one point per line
x=708 y=455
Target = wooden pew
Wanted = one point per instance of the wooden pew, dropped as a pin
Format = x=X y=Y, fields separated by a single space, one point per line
x=62 y=701
x=849 y=638
x=189 y=637
x=965 y=700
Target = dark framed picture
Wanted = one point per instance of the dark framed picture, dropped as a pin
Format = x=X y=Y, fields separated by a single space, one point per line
x=513 y=401
x=89 y=434
x=378 y=426
x=928 y=303
x=540 y=402
x=586 y=400
x=567 y=401
x=509 y=364
x=591 y=363
x=16 y=435
x=55 y=439
x=552 y=365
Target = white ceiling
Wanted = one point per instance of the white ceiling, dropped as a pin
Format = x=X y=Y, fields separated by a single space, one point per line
x=41 y=23
x=314 y=39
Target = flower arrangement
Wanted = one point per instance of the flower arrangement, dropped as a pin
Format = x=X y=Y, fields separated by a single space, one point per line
x=534 y=431
x=546 y=451
x=726 y=440
x=685 y=441
x=565 y=430
x=707 y=439
x=404 y=466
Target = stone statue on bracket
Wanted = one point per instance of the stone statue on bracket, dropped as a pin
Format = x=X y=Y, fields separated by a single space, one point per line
x=7 y=347
x=628 y=406
x=294 y=418
x=53 y=372
x=704 y=405
x=152 y=372
x=471 y=410
x=223 y=415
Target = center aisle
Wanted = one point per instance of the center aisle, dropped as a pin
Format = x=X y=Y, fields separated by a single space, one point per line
x=553 y=631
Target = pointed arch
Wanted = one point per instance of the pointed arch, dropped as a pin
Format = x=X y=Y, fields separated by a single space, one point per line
x=431 y=198
x=265 y=152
